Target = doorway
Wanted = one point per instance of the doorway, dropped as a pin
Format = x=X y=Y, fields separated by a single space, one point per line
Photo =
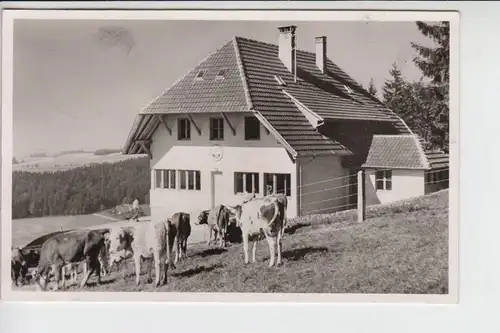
x=217 y=192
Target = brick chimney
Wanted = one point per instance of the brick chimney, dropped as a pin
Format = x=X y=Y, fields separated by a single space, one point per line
x=321 y=53
x=286 y=43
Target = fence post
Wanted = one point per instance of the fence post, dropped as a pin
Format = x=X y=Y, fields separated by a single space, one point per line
x=361 y=196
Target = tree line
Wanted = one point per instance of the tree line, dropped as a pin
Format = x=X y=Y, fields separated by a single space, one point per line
x=424 y=104
x=81 y=190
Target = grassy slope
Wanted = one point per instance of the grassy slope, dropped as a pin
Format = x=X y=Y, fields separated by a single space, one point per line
x=400 y=248
x=68 y=161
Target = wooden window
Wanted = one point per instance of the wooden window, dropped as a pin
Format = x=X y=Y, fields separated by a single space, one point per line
x=252 y=128
x=383 y=180
x=216 y=129
x=165 y=179
x=277 y=183
x=189 y=180
x=246 y=182
x=158 y=181
x=183 y=129
x=169 y=179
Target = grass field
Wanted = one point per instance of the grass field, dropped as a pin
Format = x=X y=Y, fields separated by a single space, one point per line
x=400 y=248
x=67 y=161
x=26 y=230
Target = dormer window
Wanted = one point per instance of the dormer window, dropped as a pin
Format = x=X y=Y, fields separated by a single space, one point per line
x=349 y=90
x=221 y=74
x=280 y=80
x=199 y=76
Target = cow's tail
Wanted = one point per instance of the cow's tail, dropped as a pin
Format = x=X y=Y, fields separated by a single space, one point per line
x=170 y=261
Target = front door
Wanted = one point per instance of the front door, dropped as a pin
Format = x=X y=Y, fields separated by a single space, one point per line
x=217 y=192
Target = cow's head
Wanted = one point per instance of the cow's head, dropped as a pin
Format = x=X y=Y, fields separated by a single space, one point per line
x=203 y=217
x=118 y=242
x=19 y=264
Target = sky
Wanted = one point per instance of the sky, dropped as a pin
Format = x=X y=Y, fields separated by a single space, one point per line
x=78 y=84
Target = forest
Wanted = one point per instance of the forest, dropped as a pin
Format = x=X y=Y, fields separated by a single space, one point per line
x=81 y=190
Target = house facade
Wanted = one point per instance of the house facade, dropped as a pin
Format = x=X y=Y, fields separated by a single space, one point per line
x=260 y=118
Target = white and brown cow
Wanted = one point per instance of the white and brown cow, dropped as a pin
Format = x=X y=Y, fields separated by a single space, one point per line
x=262 y=216
x=145 y=240
x=217 y=220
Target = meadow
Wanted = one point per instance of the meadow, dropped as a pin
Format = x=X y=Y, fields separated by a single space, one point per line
x=400 y=248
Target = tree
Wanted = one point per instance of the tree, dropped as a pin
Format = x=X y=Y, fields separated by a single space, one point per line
x=392 y=90
x=434 y=62
x=371 y=88
x=422 y=111
x=14 y=160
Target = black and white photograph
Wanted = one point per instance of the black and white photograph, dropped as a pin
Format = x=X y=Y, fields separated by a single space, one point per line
x=196 y=154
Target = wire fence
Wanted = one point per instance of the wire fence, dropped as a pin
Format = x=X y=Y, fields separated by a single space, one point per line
x=307 y=207
x=314 y=197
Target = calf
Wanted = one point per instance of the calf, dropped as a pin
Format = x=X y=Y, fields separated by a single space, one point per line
x=217 y=220
x=145 y=240
x=262 y=216
x=71 y=269
x=19 y=266
x=179 y=230
x=72 y=247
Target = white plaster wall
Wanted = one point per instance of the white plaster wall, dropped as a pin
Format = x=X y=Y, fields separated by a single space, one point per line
x=405 y=184
x=239 y=155
x=323 y=185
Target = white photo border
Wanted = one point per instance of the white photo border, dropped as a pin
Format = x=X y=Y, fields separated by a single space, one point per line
x=303 y=15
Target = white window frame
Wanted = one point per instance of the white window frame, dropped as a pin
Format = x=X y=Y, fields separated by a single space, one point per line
x=162 y=172
x=219 y=130
x=275 y=182
x=385 y=179
x=187 y=176
x=181 y=135
x=255 y=180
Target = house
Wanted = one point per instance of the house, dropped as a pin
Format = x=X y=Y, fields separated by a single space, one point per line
x=398 y=167
x=255 y=117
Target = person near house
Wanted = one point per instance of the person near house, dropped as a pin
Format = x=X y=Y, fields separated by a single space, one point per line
x=135 y=210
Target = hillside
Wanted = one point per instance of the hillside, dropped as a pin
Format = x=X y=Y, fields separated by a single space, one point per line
x=82 y=190
x=67 y=160
x=400 y=248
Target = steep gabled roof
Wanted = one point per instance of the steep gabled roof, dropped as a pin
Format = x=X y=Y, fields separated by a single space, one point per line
x=208 y=94
x=403 y=152
x=250 y=85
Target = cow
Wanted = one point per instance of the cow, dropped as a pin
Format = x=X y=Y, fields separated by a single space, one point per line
x=262 y=216
x=283 y=202
x=179 y=230
x=146 y=240
x=217 y=220
x=71 y=269
x=71 y=247
x=19 y=266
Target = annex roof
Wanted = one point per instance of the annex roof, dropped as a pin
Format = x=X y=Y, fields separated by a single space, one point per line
x=403 y=152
